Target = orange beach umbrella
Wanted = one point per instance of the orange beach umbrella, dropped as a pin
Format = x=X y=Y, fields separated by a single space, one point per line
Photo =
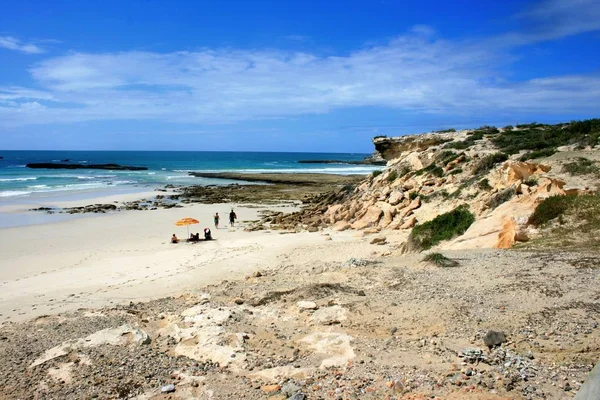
x=187 y=222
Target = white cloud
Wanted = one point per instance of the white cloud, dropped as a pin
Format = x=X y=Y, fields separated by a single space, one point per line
x=12 y=43
x=414 y=72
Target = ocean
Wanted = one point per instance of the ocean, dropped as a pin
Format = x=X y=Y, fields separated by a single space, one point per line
x=21 y=184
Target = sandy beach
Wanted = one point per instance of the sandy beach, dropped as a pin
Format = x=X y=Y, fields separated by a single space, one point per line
x=96 y=260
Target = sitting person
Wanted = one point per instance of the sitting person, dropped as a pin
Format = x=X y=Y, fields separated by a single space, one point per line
x=207 y=235
x=194 y=238
x=174 y=239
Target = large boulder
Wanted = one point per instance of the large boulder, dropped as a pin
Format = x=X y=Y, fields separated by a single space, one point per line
x=369 y=218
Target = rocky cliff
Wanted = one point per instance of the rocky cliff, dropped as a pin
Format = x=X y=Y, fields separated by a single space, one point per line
x=500 y=175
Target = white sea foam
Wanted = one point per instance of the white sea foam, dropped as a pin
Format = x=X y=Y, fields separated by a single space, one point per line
x=31 y=178
x=12 y=193
x=339 y=170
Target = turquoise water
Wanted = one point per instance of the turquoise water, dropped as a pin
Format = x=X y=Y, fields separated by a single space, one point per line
x=19 y=183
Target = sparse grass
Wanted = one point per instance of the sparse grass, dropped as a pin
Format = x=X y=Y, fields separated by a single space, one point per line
x=582 y=166
x=537 y=154
x=455 y=171
x=443 y=227
x=465 y=144
x=376 y=173
x=501 y=197
x=392 y=176
x=567 y=222
x=432 y=169
x=586 y=207
x=531 y=181
x=440 y=260
x=488 y=162
x=404 y=170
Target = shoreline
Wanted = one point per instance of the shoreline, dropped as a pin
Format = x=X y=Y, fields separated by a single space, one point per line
x=72 y=250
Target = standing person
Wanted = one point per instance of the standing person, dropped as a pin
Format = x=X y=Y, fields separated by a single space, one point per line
x=217 y=218
x=232 y=217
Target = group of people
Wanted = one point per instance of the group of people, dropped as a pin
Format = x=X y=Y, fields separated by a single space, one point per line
x=232 y=218
x=194 y=237
x=207 y=234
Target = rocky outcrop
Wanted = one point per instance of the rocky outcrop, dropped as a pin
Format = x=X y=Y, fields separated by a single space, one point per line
x=111 y=167
x=431 y=174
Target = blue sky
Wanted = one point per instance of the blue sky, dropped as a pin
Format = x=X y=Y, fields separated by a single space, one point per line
x=288 y=75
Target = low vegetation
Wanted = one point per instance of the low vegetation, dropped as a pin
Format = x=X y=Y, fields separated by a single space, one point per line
x=446 y=130
x=569 y=222
x=581 y=166
x=392 y=176
x=465 y=144
x=484 y=184
x=443 y=227
x=440 y=260
x=536 y=137
x=376 y=173
x=488 y=162
x=501 y=197
x=537 y=154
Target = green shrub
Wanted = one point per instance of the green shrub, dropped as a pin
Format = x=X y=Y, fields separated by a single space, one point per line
x=551 y=208
x=443 y=227
x=531 y=181
x=501 y=197
x=446 y=130
x=508 y=128
x=484 y=184
x=488 y=162
x=413 y=195
x=392 y=176
x=535 y=136
x=376 y=173
x=455 y=171
x=581 y=166
x=437 y=171
x=488 y=130
x=440 y=260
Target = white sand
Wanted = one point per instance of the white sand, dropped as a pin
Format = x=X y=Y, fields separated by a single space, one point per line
x=98 y=260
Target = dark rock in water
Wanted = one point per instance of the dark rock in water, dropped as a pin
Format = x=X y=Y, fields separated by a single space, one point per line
x=112 y=167
x=493 y=339
x=65 y=160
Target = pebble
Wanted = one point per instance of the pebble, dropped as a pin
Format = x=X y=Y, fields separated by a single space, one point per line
x=168 y=388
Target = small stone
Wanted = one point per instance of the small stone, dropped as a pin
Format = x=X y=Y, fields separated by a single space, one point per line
x=378 y=240
x=257 y=274
x=493 y=339
x=238 y=301
x=307 y=305
x=270 y=388
x=167 y=388
x=298 y=396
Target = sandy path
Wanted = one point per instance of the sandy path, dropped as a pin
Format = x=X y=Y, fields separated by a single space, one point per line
x=115 y=258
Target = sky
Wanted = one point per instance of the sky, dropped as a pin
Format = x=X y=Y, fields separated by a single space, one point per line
x=322 y=76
